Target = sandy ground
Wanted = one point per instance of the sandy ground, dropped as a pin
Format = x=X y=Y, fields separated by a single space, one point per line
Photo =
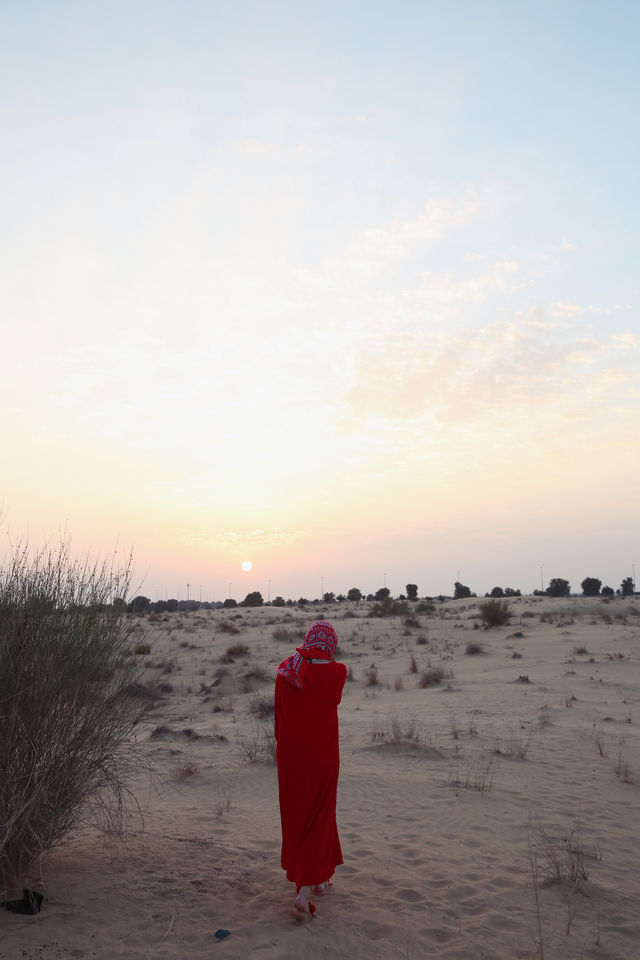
x=522 y=763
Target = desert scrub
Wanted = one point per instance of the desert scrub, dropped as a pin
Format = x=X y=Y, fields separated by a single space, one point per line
x=494 y=613
x=66 y=709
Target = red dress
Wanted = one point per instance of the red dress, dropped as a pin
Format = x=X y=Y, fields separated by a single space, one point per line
x=308 y=760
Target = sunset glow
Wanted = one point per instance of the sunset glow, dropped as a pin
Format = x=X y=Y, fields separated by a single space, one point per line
x=353 y=292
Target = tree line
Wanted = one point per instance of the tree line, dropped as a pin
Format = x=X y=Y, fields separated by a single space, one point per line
x=558 y=587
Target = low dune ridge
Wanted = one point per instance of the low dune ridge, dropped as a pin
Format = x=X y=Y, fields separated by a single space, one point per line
x=488 y=802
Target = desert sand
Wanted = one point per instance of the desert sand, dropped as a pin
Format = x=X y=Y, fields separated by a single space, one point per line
x=494 y=814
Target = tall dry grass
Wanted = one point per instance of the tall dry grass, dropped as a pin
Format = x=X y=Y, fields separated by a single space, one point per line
x=67 y=700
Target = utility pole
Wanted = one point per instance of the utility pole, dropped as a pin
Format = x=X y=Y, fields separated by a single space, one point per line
x=269 y=590
x=187 y=593
x=541 y=581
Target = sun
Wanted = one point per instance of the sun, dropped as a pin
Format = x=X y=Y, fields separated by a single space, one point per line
x=247 y=565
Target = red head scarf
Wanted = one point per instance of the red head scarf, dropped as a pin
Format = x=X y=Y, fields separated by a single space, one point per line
x=320 y=643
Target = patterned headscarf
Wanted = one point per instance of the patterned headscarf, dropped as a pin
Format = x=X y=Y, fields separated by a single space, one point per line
x=320 y=643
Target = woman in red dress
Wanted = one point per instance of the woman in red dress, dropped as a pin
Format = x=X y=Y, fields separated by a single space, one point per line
x=308 y=690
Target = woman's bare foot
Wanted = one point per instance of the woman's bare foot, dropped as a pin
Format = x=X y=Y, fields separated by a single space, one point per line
x=321 y=888
x=302 y=906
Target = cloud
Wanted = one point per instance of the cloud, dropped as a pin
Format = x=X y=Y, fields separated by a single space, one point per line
x=375 y=247
x=513 y=373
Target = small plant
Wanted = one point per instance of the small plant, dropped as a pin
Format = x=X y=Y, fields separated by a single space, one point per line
x=478 y=777
x=623 y=770
x=516 y=747
x=223 y=796
x=238 y=650
x=258 y=742
x=433 y=676
x=142 y=649
x=225 y=627
x=371 y=676
x=281 y=634
x=473 y=649
x=398 y=684
x=600 y=742
x=262 y=707
x=564 y=858
x=402 y=729
x=413 y=666
x=494 y=613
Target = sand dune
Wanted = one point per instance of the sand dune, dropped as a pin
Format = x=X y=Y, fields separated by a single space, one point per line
x=524 y=759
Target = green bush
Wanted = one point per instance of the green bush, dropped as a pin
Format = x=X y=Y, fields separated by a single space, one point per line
x=494 y=613
x=66 y=703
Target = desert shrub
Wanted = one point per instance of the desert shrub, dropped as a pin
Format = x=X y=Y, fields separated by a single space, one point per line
x=66 y=703
x=371 y=676
x=262 y=707
x=389 y=607
x=474 y=648
x=141 y=649
x=238 y=650
x=281 y=634
x=425 y=606
x=494 y=613
x=225 y=627
x=432 y=676
x=258 y=742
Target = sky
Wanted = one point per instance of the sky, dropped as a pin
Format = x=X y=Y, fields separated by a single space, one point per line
x=348 y=290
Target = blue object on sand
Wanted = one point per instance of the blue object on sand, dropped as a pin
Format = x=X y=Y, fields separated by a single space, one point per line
x=221 y=934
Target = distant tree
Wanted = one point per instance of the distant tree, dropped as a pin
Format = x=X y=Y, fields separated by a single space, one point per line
x=160 y=606
x=278 y=602
x=412 y=591
x=139 y=605
x=172 y=605
x=607 y=592
x=382 y=594
x=497 y=593
x=591 y=587
x=558 y=588
x=119 y=605
x=370 y=596
x=341 y=598
x=354 y=595
x=626 y=587
x=302 y=602
x=229 y=602
x=253 y=599
x=329 y=597
x=460 y=591
x=510 y=592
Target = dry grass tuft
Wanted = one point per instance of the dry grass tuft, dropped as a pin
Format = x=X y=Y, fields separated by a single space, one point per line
x=237 y=650
x=478 y=777
x=257 y=741
x=563 y=858
x=433 y=676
